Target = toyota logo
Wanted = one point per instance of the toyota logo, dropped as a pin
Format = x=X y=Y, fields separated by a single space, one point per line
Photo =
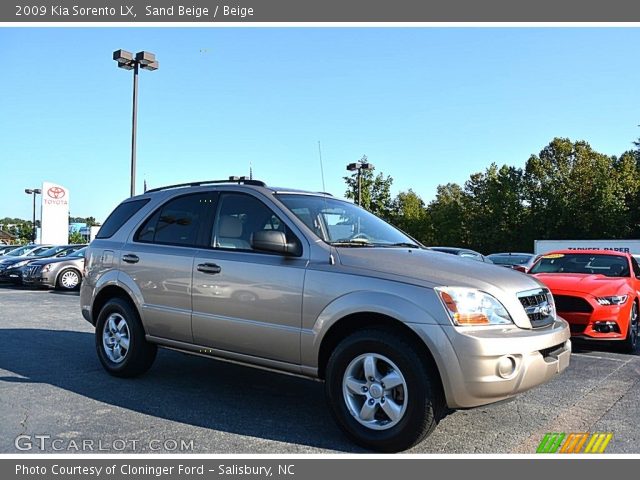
x=56 y=192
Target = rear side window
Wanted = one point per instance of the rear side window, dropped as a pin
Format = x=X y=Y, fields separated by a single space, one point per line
x=182 y=221
x=119 y=217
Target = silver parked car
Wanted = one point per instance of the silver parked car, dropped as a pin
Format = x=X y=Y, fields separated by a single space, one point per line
x=304 y=283
x=63 y=273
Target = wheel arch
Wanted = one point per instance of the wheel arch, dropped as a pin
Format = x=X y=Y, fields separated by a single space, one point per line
x=366 y=320
x=107 y=293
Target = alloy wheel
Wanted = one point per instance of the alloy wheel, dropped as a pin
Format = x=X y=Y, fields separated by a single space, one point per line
x=116 y=338
x=375 y=391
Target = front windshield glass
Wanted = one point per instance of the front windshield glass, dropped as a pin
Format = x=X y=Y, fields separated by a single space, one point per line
x=586 y=263
x=19 y=251
x=46 y=251
x=344 y=224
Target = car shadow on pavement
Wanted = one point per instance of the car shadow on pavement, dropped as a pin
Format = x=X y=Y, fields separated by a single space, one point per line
x=179 y=387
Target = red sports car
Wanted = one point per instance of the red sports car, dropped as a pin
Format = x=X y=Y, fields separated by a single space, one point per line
x=597 y=292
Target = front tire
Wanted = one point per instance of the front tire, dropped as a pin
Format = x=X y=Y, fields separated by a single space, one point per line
x=381 y=390
x=631 y=342
x=68 y=279
x=120 y=340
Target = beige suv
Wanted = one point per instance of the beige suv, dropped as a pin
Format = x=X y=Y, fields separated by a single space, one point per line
x=304 y=283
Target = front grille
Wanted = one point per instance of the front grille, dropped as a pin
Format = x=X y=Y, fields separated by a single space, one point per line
x=536 y=304
x=31 y=271
x=567 y=303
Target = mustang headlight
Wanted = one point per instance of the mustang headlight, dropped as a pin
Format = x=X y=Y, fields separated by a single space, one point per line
x=613 y=300
x=468 y=306
x=20 y=264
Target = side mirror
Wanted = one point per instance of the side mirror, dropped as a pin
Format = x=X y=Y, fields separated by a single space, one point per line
x=274 y=241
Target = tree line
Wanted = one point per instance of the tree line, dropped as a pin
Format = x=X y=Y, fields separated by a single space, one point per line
x=567 y=191
x=22 y=230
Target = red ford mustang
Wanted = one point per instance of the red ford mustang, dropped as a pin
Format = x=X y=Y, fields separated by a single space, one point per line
x=596 y=292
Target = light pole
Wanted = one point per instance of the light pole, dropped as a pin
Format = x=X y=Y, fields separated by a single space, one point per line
x=126 y=60
x=33 y=192
x=362 y=164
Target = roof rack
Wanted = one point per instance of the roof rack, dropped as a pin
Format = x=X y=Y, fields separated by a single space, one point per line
x=238 y=180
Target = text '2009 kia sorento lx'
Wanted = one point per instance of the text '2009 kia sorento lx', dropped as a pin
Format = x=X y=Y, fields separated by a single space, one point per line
x=304 y=283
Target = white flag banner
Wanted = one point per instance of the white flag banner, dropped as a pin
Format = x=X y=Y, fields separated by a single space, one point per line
x=54 y=215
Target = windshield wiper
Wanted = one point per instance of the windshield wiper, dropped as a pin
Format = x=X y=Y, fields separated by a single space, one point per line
x=351 y=242
x=399 y=244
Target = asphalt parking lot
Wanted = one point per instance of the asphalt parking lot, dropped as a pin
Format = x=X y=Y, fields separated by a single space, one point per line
x=52 y=385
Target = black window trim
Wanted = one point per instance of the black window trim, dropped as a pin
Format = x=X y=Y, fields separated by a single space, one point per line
x=205 y=227
x=144 y=201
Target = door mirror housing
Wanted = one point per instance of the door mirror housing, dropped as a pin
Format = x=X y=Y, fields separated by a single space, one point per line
x=274 y=241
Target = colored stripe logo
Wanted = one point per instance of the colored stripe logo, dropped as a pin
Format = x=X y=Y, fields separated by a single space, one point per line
x=583 y=442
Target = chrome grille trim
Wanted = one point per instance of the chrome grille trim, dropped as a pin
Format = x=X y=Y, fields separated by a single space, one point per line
x=539 y=306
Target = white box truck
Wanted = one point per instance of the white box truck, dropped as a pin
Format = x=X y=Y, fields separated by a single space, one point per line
x=628 y=246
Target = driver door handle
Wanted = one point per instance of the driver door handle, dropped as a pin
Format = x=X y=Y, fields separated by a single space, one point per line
x=210 y=268
x=130 y=258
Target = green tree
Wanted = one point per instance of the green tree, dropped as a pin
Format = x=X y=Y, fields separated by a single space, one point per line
x=495 y=210
x=575 y=192
x=447 y=212
x=409 y=213
x=376 y=191
x=76 y=237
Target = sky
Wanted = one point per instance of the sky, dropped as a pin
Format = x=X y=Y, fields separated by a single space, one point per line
x=427 y=106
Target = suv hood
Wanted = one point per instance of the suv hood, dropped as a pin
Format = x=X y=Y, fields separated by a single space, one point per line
x=596 y=285
x=430 y=268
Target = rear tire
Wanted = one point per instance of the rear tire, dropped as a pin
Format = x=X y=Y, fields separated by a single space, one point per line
x=631 y=342
x=386 y=417
x=120 y=340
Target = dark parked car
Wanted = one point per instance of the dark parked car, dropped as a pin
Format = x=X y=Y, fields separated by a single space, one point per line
x=63 y=273
x=11 y=267
x=462 y=252
x=517 y=261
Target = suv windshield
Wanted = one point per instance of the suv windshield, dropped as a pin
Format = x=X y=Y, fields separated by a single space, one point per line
x=587 y=263
x=344 y=224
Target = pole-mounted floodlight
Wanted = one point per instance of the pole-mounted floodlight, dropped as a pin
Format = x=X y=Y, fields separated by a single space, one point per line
x=126 y=60
x=34 y=192
x=358 y=167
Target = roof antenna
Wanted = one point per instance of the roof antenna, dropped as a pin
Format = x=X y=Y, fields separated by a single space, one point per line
x=321 y=168
x=250 y=171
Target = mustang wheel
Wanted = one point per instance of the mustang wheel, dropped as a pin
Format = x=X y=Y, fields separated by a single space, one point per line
x=631 y=342
x=120 y=343
x=382 y=391
x=68 y=279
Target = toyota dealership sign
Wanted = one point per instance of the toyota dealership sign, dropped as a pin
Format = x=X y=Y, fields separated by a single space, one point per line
x=54 y=214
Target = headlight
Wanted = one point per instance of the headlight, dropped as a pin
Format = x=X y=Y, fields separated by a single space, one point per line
x=467 y=306
x=614 y=300
x=46 y=268
x=20 y=264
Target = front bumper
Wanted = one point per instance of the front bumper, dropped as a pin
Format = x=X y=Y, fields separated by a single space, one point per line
x=584 y=326
x=13 y=275
x=38 y=281
x=484 y=365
